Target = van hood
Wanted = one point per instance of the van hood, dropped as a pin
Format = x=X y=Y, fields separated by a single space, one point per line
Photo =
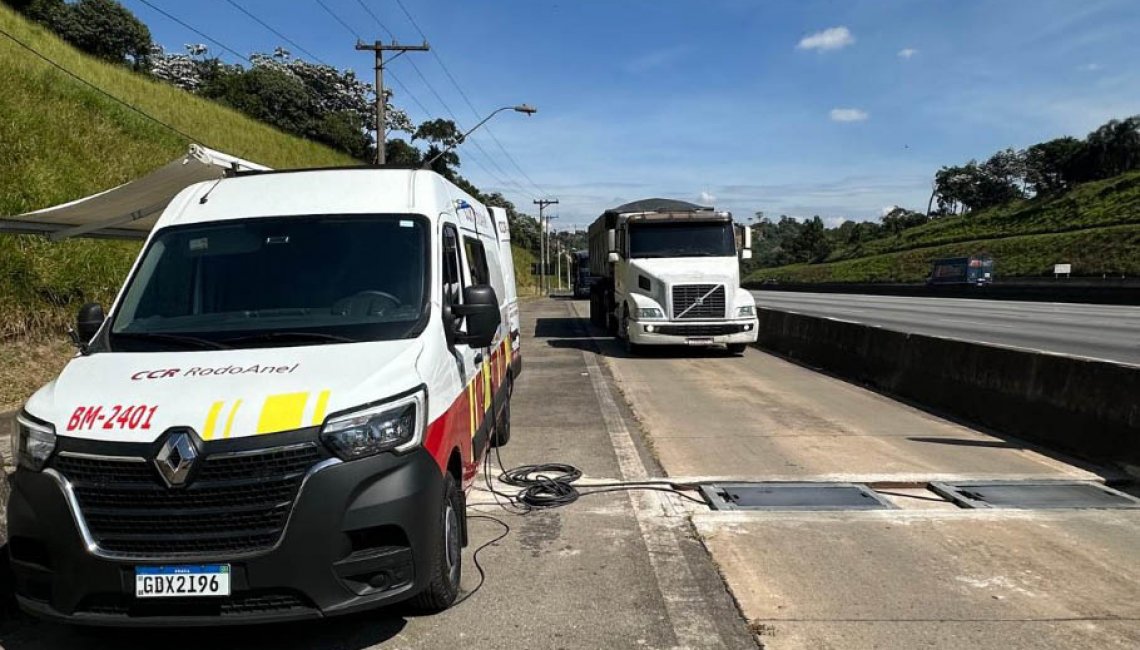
x=135 y=396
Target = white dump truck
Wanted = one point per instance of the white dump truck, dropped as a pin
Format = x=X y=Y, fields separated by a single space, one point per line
x=670 y=275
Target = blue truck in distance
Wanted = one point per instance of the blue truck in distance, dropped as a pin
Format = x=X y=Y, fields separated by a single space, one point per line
x=582 y=278
x=975 y=270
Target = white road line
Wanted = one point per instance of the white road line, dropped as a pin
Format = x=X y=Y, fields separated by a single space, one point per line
x=689 y=616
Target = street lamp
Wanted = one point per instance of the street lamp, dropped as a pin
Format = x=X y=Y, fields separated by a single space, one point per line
x=521 y=108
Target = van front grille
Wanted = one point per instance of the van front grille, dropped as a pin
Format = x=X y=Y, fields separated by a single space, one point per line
x=237 y=503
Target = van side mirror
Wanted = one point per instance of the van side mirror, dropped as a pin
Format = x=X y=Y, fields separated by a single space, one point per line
x=480 y=310
x=89 y=321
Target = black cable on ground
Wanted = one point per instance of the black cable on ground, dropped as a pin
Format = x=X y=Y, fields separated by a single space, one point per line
x=475 y=555
x=550 y=485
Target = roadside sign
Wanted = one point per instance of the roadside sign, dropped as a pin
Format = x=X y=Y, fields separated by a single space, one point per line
x=1062 y=269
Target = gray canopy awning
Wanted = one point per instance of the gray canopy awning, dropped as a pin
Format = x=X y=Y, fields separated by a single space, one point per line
x=129 y=210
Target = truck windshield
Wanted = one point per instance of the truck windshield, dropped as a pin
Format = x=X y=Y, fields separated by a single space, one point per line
x=681 y=239
x=277 y=281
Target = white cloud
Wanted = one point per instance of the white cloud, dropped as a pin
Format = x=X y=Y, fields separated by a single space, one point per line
x=907 y=52
x=707 y=198
x=848 y=115
x=832 y=38
x=888 y=209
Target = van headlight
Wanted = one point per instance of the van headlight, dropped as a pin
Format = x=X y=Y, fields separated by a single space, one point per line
x=746 y=310
x=650 y=313
x=397 y=425
x=35 y=440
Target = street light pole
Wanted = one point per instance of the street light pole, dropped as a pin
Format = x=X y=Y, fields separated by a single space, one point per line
x=521 y=108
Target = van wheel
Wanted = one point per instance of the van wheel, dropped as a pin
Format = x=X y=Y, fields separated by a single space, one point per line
x=502 y=434
x=446 y=566
x=737 y=348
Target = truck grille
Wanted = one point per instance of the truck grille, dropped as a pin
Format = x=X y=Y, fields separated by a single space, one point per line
x=236 y=504
x=715 y=329
x=685 y=295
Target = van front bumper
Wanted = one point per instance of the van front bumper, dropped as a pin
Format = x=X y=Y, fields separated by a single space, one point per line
x=359 y=536
x=724 y=332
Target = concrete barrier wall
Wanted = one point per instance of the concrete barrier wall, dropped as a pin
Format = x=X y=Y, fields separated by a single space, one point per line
x=1084 y=407
x=7 y=429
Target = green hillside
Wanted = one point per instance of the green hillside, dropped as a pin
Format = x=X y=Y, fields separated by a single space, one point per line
x=61 y=140
x=1095 y=227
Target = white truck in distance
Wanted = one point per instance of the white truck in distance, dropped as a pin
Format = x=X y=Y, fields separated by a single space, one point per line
x=670 y=275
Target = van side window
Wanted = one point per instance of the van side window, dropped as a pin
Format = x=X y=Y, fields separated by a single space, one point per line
x=452 y=276
x=477 y=261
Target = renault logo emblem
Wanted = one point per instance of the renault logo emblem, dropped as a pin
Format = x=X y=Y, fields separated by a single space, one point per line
x=176 y=458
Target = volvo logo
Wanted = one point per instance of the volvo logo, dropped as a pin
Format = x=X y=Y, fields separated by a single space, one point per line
x=176 y=458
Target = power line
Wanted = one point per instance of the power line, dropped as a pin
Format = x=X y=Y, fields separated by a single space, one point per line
x=100 y=90
x=340 y=20
x=431 y=88
x=277 y=33
x=468 y=101
x=199 y=32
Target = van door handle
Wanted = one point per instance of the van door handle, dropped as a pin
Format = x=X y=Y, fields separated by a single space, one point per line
x=478 y=358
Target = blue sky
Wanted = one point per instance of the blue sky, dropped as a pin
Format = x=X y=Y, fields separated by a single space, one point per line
x=838 y=108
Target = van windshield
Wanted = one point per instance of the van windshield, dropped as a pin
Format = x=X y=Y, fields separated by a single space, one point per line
x=277 y=281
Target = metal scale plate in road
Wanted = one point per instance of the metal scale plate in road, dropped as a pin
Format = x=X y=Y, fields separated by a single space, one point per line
x=1034 y=495
x=792 y=496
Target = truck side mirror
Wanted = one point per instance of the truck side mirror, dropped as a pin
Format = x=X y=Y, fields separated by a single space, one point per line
x=89 y=321
x=480 y=309
x=611 y=246
x=746 y=254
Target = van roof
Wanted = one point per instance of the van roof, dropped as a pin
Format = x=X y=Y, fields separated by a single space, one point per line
x=341 y=190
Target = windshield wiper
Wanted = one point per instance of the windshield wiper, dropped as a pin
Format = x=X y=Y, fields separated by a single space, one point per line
x=192 y=341
x=291 y=336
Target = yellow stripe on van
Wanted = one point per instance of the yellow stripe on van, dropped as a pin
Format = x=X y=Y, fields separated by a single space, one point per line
x=212 y=420
x=321 y=407
x=471 y=405
x=282 y=412
x=230 y=419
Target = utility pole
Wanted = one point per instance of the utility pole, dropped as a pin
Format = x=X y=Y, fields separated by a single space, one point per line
x=378 y=48
x=542 y=243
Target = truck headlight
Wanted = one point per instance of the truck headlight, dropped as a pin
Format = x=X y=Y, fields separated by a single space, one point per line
x=34 y=442
x=650 y=313
x=392 y=426
x=746 y=310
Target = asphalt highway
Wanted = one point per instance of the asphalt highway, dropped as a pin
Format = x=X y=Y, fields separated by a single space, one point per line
x=1108 y=332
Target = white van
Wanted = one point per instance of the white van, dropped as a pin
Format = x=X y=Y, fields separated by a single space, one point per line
x=282 y=412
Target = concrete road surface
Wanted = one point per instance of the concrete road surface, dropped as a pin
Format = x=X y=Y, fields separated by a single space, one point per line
x=1099 y=331
x=927 y=574
x=606 y=572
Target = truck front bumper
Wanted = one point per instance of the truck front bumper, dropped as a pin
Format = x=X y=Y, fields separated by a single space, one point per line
x=359 y=536
x=724 y=332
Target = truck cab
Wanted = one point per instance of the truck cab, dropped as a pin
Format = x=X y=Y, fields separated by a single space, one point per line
x=670 y=275
x=281 y=413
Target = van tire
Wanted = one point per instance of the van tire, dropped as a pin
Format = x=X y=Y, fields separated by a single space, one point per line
x=446 y=567
x=502 y=433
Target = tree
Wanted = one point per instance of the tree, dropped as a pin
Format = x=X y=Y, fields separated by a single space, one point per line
x=1049 y=166
x=811 y=245
x=1112 y=149
x=441 y=135
x=106 y=29
x=899 y=219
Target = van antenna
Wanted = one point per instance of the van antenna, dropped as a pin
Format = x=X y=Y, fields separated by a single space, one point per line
x=206 y=196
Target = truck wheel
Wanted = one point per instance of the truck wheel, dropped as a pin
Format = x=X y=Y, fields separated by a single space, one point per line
x=502 y=434
x=446 y=567
x=737 y=348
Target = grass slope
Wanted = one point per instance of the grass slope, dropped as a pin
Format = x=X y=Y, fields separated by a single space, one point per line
x=1111 y=202
x=1116 y=249
x=61 y=140
x=1095 y=227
